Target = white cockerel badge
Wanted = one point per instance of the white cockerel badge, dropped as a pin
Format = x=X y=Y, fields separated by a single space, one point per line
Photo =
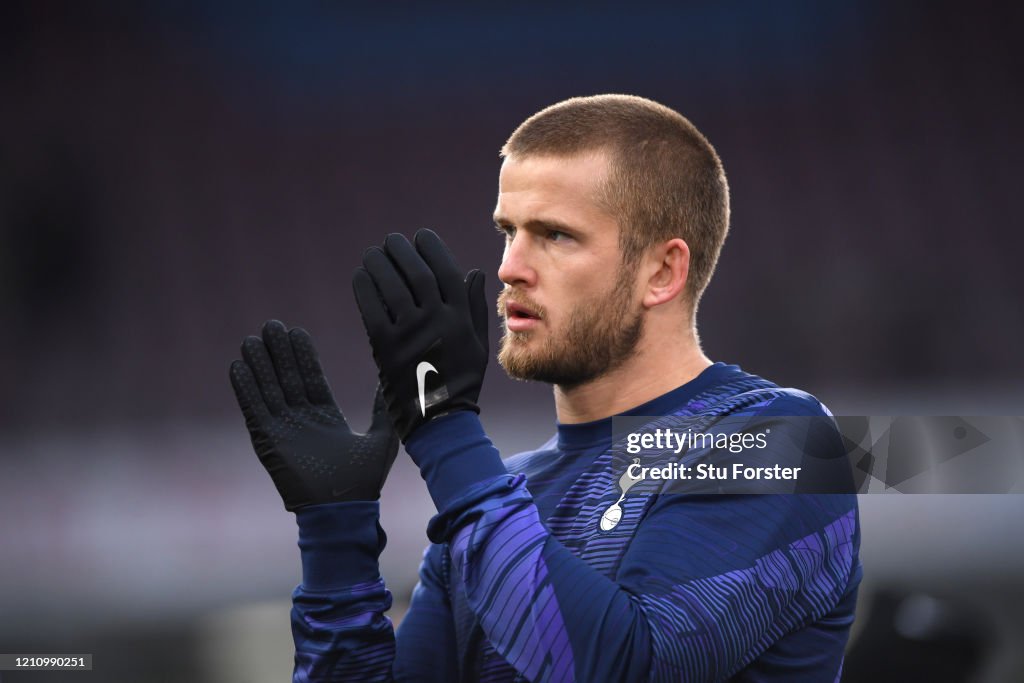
x=613 y=514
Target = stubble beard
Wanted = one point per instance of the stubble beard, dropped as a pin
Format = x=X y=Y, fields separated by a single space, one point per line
x=598 y=337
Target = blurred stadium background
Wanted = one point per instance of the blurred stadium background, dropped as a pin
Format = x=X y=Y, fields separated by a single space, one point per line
x=173 y=174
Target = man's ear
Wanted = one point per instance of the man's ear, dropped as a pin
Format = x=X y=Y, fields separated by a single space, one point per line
x=671 y=265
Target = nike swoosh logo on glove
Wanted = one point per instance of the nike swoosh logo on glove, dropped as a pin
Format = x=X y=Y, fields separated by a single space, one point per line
x=421 y=375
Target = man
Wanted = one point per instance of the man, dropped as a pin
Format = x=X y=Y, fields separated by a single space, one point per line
x=614 y=210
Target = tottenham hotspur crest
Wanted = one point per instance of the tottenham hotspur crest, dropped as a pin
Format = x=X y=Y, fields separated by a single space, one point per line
x=611 y=516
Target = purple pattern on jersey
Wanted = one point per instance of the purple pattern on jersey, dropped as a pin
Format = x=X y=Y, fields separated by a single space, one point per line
x=574 y=522
x=500 y=559
x=343 y=638
x=780 y=592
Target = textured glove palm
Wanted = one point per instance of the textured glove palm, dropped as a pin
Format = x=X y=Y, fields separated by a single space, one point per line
x=427 y=325
x=298 y=432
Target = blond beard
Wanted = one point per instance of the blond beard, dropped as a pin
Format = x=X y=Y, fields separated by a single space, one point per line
x=599 y=336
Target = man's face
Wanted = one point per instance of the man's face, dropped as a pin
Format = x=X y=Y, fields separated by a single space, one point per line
x=570 y=309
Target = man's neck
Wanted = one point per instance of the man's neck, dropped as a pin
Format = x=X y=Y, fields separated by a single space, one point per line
x=655 y=369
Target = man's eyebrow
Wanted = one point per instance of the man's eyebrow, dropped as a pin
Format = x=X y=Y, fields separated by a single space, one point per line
x=538 y=224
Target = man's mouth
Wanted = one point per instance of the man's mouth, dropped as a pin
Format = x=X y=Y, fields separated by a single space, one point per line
x=519 y=318
x=514 y=310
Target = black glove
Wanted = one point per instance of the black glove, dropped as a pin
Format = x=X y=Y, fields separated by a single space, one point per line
x=427 y=326
x=298 y=432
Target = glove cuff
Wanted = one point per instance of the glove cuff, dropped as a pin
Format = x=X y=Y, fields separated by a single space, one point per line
x=340 y=544
x=454 y=454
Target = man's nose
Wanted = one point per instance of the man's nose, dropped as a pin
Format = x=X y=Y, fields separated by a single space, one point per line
x=515 y=262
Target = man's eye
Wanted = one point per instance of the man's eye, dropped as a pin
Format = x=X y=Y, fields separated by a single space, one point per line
x=507 y=231
x=557 y=236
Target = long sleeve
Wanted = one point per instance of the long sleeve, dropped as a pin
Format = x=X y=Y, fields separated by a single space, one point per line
x=338 y=622
x=693 y=607
x=426 y=637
